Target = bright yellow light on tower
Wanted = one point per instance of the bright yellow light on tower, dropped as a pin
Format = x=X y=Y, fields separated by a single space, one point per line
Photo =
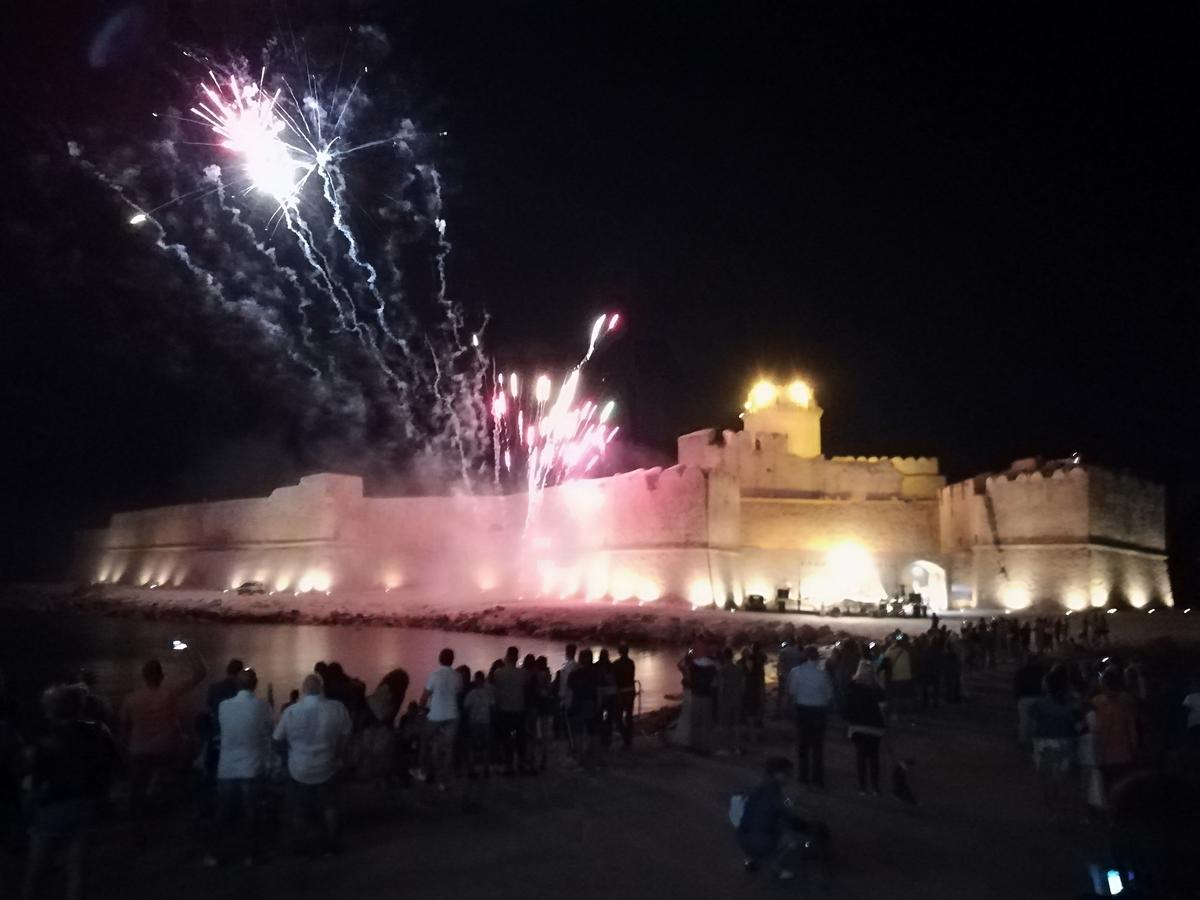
x=799 y=393
x=762 y=395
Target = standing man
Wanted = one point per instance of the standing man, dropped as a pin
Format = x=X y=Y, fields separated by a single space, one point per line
x=511 y=685
x=900 y=689
x=152 y=732
x=218 y=693
x=1027 y=688
x=790 y=656
x=440 y=700
x=626 y=675
x=314 y=732
x=245 y=723
x=812 y=694
x=564 y=689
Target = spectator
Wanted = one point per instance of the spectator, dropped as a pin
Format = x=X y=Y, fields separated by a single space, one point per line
x=584 y=693
x=1191 y=703
x=1027 y=688
x=606 y=680
x=1116 y=729
x=731 y=687
x=1055 y=720
x=315 y=732
x=546 y=701
x=863 y=714
x=812 y=693
x=440 y=700
x=218 y=693
x=151 y=731
x=409 y=729
x=764 y=833
x=754 y=665
x=244 y=722
x=790 y=656
x=899 y=668
x=702 y=680
x=564 y=677
x=478 y=708
x=625 y=673
x=511 y=684
x=73 y=767
x=929 y=669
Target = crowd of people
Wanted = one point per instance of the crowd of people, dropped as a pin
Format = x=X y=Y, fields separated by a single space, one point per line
x=246 y=764
x=1100 y=720
x=243 y=763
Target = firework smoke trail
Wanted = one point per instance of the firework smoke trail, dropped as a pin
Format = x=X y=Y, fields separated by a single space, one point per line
x=235 y=215
x=212 y=289
x=315 y=293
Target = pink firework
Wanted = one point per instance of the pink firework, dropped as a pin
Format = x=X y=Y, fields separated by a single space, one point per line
x=556 y=434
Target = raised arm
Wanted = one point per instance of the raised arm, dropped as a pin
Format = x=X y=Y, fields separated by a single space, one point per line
x=197 y=671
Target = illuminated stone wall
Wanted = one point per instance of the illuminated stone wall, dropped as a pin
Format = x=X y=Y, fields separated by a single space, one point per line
x=747 y=512
x=1057 y=533
x=764 y=466
x=643 y=535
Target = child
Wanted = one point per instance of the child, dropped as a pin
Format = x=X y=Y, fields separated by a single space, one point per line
x=408 y=742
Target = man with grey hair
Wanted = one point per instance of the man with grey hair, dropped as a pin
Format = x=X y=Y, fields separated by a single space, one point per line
x=315 y=732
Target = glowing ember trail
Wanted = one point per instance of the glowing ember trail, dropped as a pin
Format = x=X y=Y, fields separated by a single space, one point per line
x=560 y=436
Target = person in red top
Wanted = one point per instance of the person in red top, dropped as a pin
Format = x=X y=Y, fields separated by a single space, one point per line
x=1116 y=728
x=151 y=731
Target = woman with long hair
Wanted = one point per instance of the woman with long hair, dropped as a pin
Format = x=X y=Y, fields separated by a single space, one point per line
x=863 y=714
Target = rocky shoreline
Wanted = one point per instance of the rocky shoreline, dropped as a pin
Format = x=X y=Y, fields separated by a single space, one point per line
x=640 y=626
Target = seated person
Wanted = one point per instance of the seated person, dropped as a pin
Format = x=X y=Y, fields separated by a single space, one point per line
x=765 y=830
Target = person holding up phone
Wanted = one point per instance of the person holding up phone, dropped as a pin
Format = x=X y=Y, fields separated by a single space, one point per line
x=150 y=728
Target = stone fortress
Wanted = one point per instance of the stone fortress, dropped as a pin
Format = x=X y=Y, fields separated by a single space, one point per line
x=756 y=511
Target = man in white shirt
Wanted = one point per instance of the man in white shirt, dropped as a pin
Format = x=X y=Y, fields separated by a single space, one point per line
x=440 y=700
x=812 y=693
x=245 y=728
x=315 y=732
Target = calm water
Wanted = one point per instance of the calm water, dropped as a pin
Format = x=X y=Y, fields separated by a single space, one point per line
x=36 y=649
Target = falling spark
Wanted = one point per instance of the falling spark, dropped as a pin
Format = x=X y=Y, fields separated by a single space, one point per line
x=563 y=435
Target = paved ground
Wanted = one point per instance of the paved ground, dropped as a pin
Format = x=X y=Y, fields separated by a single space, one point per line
x=653 y=824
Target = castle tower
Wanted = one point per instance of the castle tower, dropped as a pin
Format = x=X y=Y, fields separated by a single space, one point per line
x=789 y=409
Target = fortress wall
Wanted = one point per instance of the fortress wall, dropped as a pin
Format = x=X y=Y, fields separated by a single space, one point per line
x=704 y=449
x=899 y=527
x=1031 y=506
x=1067 y=576
x=1119 y=576
x=960 y=578
x=1126 y=510
x=306 y=511
x=961 y=516
x=1057 y=576
x=627 y=537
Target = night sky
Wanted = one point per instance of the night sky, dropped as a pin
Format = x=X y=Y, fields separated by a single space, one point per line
x=975 y=232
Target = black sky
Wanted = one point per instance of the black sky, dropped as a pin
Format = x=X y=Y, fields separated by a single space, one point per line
x=974 y=228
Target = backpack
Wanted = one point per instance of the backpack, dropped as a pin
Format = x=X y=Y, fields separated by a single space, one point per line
x=737 y=808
